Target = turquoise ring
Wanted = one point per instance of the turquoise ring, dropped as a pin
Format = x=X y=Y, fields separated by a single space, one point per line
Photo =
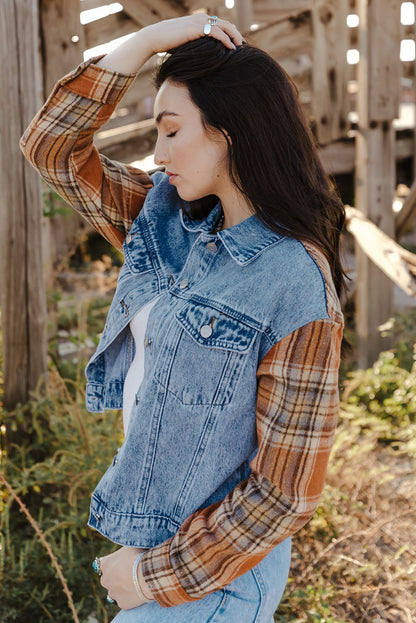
x=96 y=565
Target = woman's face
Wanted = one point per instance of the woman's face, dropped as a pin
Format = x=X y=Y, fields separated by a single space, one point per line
x=195 y=161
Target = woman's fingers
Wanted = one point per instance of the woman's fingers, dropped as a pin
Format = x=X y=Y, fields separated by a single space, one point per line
x=227 y=33
x=173 y=32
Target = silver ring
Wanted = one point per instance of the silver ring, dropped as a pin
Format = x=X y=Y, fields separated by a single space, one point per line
x=110 y=599
x=212 y=21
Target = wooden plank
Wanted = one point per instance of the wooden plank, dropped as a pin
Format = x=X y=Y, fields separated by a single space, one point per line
x=330 y=69
x=389 y=256
x=108 y=28
x=291 y=37
x=21 y=263
x=87 y=5
x=150 y=11
x=374 y=175
x=385 y=68
x=265 y=11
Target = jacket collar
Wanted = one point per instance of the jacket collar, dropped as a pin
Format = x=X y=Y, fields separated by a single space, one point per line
x=244 y=241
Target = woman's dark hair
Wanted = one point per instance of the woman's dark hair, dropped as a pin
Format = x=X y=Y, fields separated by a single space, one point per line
x=272 y=157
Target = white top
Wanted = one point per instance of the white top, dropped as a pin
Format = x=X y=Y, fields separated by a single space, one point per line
x=135 y=373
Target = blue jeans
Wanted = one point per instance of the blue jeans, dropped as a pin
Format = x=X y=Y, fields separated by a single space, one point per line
x=251 y=598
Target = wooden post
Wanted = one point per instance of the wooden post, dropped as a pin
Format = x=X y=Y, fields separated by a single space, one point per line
x=21 y=267
x=244 y=15
x=330 y=69
x=378 y=100
x=62 y=43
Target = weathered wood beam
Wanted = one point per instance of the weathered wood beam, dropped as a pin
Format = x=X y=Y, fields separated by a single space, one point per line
x=86 y=5
x=150 y=11
x=272 y=11
x=108 y=28
x=330 y=69
x=107 y=138
x=59 y=22
x=375 y=162
x=21 y=263
x=286 y=38
x=396 y=263
x=384 y=71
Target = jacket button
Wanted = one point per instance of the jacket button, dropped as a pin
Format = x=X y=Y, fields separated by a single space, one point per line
x=211 y=246
x=128 y=238
x=184 y=283
x=206 y=331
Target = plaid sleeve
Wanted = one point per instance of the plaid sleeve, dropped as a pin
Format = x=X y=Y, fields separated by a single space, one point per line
x=296 y=415
x=59 y=144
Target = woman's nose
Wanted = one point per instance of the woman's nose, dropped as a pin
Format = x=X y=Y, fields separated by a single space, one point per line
x=160 y=156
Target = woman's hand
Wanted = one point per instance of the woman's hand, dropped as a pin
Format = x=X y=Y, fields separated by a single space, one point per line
x=117 y=577
x=171 y=33
x=131 y=55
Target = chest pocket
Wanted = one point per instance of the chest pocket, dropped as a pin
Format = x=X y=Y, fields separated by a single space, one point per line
x=208 y=357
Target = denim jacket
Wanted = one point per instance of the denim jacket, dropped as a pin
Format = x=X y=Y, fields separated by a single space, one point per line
x=224 y=300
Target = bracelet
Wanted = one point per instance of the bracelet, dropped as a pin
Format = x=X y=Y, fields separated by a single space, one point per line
x=136 y=579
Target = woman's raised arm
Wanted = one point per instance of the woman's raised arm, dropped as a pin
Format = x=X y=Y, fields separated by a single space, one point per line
x=59 y=141
x=130 y=56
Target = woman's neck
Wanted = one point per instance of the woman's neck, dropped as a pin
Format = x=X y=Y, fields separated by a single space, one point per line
x=235 y=206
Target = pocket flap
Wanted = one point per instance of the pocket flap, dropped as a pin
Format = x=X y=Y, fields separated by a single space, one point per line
x=214 y=329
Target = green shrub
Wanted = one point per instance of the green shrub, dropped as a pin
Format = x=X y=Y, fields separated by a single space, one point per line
x=61 y=454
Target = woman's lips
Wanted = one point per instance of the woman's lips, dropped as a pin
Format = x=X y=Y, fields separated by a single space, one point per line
x=172 y=177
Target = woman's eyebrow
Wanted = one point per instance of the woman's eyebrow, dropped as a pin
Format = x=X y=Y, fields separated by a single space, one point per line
x=165 y=113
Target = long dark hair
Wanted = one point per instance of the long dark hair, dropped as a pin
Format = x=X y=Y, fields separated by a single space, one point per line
x=272 y=156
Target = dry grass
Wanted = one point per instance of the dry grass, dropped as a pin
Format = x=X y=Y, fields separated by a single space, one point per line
x=356 y=560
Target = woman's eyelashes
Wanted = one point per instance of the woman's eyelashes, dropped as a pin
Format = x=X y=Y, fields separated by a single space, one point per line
x=171 y=134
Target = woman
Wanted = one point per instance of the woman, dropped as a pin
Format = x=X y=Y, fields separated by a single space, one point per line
x=222 y=342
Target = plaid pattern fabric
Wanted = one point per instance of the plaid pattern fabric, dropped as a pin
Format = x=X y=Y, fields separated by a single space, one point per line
x=297 y=401
x=59 y=144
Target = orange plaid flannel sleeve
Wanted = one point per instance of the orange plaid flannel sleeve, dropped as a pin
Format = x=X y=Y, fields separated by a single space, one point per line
x=59 y=143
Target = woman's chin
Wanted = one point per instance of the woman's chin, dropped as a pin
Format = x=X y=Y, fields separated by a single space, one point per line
x=188 y=196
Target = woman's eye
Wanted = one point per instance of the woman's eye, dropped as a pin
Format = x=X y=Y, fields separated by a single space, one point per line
x=171 y=134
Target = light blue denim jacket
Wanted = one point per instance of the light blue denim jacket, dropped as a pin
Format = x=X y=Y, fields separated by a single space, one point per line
x=224 y=300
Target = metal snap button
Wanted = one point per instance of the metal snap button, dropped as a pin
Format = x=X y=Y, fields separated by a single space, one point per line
x=147 y=341
x=211 y=246
x=184 y=283
x=128 y=238
x=205 y=331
